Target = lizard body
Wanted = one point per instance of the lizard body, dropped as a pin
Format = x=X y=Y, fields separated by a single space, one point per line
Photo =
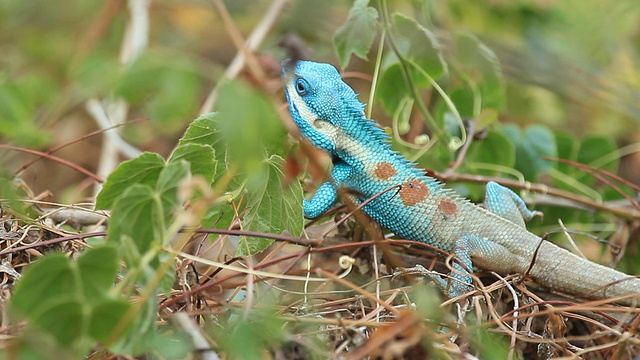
x=329 y=115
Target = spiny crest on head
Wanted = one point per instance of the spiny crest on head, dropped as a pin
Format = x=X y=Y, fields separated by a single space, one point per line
x=334 y=90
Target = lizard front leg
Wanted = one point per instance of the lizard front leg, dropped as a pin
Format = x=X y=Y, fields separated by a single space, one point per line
x=504 y=202
x=327 y=193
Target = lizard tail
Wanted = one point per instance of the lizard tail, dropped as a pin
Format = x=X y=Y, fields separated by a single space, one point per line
x=566 y=272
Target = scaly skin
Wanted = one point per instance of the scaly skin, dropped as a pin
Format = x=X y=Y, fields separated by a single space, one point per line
x=329 y=115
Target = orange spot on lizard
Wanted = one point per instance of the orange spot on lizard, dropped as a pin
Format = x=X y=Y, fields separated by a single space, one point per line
x=413 y=191
x=448 y=207
x=385 y=170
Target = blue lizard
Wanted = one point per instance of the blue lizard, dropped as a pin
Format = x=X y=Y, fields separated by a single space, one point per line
x=329 y=115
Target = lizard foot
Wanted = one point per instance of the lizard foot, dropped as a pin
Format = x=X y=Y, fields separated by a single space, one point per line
x=451 y=289
x=422 y=271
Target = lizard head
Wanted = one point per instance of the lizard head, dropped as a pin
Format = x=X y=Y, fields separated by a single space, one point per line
x=320 y=103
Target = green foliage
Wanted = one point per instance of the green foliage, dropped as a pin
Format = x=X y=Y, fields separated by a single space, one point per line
x=419 y=45
x=137 y=215
x=250 y=133
x=201 y=157
x=74 y=305
x=481 y=69
x=261 y=327
x=490 y=345
x=18 y=103
x=598 y=151
x=144 y=199
x=531 y=145
x=75 y=293
x=256 y=155
x=94 y=75
x=594 y=150
x=166 y=86
x=393 y=89
x=495 y=149
x=356 y=35
x=468 y=82
x=143 y=170
x=270 y=209
x=147 y=185
x=198 y=147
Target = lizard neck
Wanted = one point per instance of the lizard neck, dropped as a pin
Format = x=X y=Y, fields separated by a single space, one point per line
x=365 y=146
x=362 y=143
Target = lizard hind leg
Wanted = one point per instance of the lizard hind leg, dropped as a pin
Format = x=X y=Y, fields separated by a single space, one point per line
x=459 y=279
x=469 y=246
x=507 y=204
x=458 y=282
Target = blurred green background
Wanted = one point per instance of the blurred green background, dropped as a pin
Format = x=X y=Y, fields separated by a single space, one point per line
x=569 y=65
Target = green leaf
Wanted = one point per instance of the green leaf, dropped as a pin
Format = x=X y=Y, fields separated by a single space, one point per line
x=536 y=141
x=591 y=151
x=176 y=97
x=261 y=326
x=172 y=344
x=219 y=216
x=17 y=111
x=392 y=88
x=144 y=169
x=106 y=316
x=137 y=214
x=97 y=269
x=206 y=131
x=63 y=318
x=273 y=208
x=167 y=187
x=200 y=157
x=14 y=107
x=594 y=148
x=356 y=35
x=95 y=74
x=420 y=45
x=201 y=131
x=462 y=98
x=47 y=278
x=166 y=86
x=482 y=67
x=489 y=345
x=495 y=149
x=129 y=250
x=249 y=129
x=49 y=297
x=567 y=147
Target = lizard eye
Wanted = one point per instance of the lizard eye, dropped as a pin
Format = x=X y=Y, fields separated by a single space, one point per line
x=302 y=87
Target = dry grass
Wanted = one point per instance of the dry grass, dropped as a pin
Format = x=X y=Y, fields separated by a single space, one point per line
x=341 y=299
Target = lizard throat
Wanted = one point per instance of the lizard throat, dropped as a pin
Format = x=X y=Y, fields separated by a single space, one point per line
x=357 y=152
